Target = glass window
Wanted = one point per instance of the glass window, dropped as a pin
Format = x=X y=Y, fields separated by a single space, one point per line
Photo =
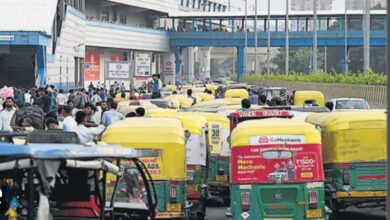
x=277 y=155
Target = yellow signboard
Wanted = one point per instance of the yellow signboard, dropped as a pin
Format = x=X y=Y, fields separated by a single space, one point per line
x=154 y=166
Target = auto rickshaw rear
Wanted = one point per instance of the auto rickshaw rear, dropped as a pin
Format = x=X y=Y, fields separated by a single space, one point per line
x=276 y=171
x=354 y=149
x=168 y=169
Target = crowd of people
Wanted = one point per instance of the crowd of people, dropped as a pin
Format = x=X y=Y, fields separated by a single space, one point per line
x=84 y=111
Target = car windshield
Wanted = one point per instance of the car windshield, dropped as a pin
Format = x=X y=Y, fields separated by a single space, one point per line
x=351 y=104
x=277 y=155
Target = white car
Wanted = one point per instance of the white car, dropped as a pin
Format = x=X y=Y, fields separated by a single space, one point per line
x=278 y=176
x=344 y=104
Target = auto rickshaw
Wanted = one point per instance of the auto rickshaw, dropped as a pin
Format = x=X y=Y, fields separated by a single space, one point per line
x=237 y=93
x=125 y=107
x=212 y=87
x=118 y=97
x=68 y=181
x=218 y=160
x=302 y=98
x=196 y=158
x=168 y=169
x=354 y=150
x=185 y=102
x=215 y=103
x=171 y=87
x=276 y=171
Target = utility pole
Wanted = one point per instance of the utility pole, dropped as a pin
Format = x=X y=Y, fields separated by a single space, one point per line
x=269 y=38
x=366 y=30
x=346 y=39
x=287 y=38
x=246 y=35
x=315 y=38
x=255 y=36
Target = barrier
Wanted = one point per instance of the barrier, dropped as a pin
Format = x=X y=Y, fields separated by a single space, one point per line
x=375 y=95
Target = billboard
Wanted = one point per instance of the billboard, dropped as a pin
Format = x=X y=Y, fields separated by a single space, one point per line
x=117 y=70
x=142 y=64
x=92 y=65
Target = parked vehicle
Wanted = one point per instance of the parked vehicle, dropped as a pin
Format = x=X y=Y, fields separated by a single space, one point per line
x=309 y=98
x=347 y=104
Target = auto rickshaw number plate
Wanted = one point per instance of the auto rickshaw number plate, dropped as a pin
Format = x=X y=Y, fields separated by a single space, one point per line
x=174 y=207
x=221 y=178
x=314 y=213
x=192 y=188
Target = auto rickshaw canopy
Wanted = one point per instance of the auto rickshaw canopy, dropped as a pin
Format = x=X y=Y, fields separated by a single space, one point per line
x=352 y=136
x=165 y=134
x=301 y=96
x=215 y=103
x=237 y=93
x=242 y=134
x=125 y=107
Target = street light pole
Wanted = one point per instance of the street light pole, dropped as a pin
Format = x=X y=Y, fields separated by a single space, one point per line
x=366 y=37
x=255 y=36
x=315 y=37
x=346 y=39
x=287 y=38
x=246 y=35
x=269 y=38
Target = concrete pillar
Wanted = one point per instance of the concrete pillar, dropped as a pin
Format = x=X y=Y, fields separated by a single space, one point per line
x=41 y=66
x=178 y=62
x=188 y=63
x=240 y=63
x=205 y=62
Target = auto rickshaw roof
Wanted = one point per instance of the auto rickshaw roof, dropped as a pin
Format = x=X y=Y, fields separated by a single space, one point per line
x=348 y=120
x=193 y=122
x=237 y=93
x=66 y=151
x=146 y=131
x=215 y=103
x=274 y=126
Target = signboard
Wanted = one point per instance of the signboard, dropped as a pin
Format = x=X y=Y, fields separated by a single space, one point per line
x=142 y=64
x=118 y=70
x=154 y=166
x=277 y=164
x=7 y=37
x=92 y=65
x=277 y=139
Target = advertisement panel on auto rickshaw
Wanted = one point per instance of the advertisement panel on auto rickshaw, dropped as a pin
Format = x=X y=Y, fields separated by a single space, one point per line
x=279 y=161
x=168 y=168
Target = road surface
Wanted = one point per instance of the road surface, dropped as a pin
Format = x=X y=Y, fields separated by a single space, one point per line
x=216 y=211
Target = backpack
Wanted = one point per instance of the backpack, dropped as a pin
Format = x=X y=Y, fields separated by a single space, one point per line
x=34 y=112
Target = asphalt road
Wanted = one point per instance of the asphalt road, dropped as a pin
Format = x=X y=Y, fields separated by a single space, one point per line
x=216 y=211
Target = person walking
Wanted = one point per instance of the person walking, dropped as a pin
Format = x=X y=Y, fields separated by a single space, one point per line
x=27 y=97
x=86 y=134
x=111 y=115
x=7 y=114
x=96 y=98
x=61 y=98
x=69 y=124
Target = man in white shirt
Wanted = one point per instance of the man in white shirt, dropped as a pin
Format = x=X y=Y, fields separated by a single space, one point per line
x=6 y=114
x=95 y=98
x=61 y=98
x=69 y=124
x=27 y=97
x=86 y=134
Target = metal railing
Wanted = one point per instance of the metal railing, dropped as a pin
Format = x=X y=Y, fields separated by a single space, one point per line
x=375 y=95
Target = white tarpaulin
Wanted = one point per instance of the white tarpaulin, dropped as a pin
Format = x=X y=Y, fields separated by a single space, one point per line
x=196 y=150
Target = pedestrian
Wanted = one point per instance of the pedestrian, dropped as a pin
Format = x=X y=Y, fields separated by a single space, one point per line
x=111 y=115
x=52 y=124
x=102 y=94
x=86 y=134
x=98 y=86
x=96 y=114
x=27 y=97
x=61 y=98
x=140 y=112
x=91 y=86
x=95 y=98
x=254 y=98
x=19 y=98
x=46 y=102
x=189 y=95
x=123 y=87
x=7 y=113
x=88 y=111
x=23 y=125
x=245 y=105
x=37 y=100
x=69 y=124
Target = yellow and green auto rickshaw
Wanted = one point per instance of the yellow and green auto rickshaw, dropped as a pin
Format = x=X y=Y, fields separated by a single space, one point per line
x=218 y=160
x=276 y=171
x=168 y=170
x=196 y=158
x=302 y=98
x=354 y=149
x=237 y=93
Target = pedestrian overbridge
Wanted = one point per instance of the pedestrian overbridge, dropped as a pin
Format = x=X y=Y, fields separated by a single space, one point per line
x=333 y=28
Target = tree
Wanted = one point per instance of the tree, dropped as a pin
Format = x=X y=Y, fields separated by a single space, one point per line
x=300 y=60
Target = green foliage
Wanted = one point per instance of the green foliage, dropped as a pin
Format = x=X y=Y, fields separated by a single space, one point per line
x=371 y=78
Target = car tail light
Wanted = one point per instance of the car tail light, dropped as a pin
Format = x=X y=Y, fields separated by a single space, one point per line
x=190 y=175
x=313 y=200
x=346 y=177
x=245 y=201
x=173 y=194
x=221 y=169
